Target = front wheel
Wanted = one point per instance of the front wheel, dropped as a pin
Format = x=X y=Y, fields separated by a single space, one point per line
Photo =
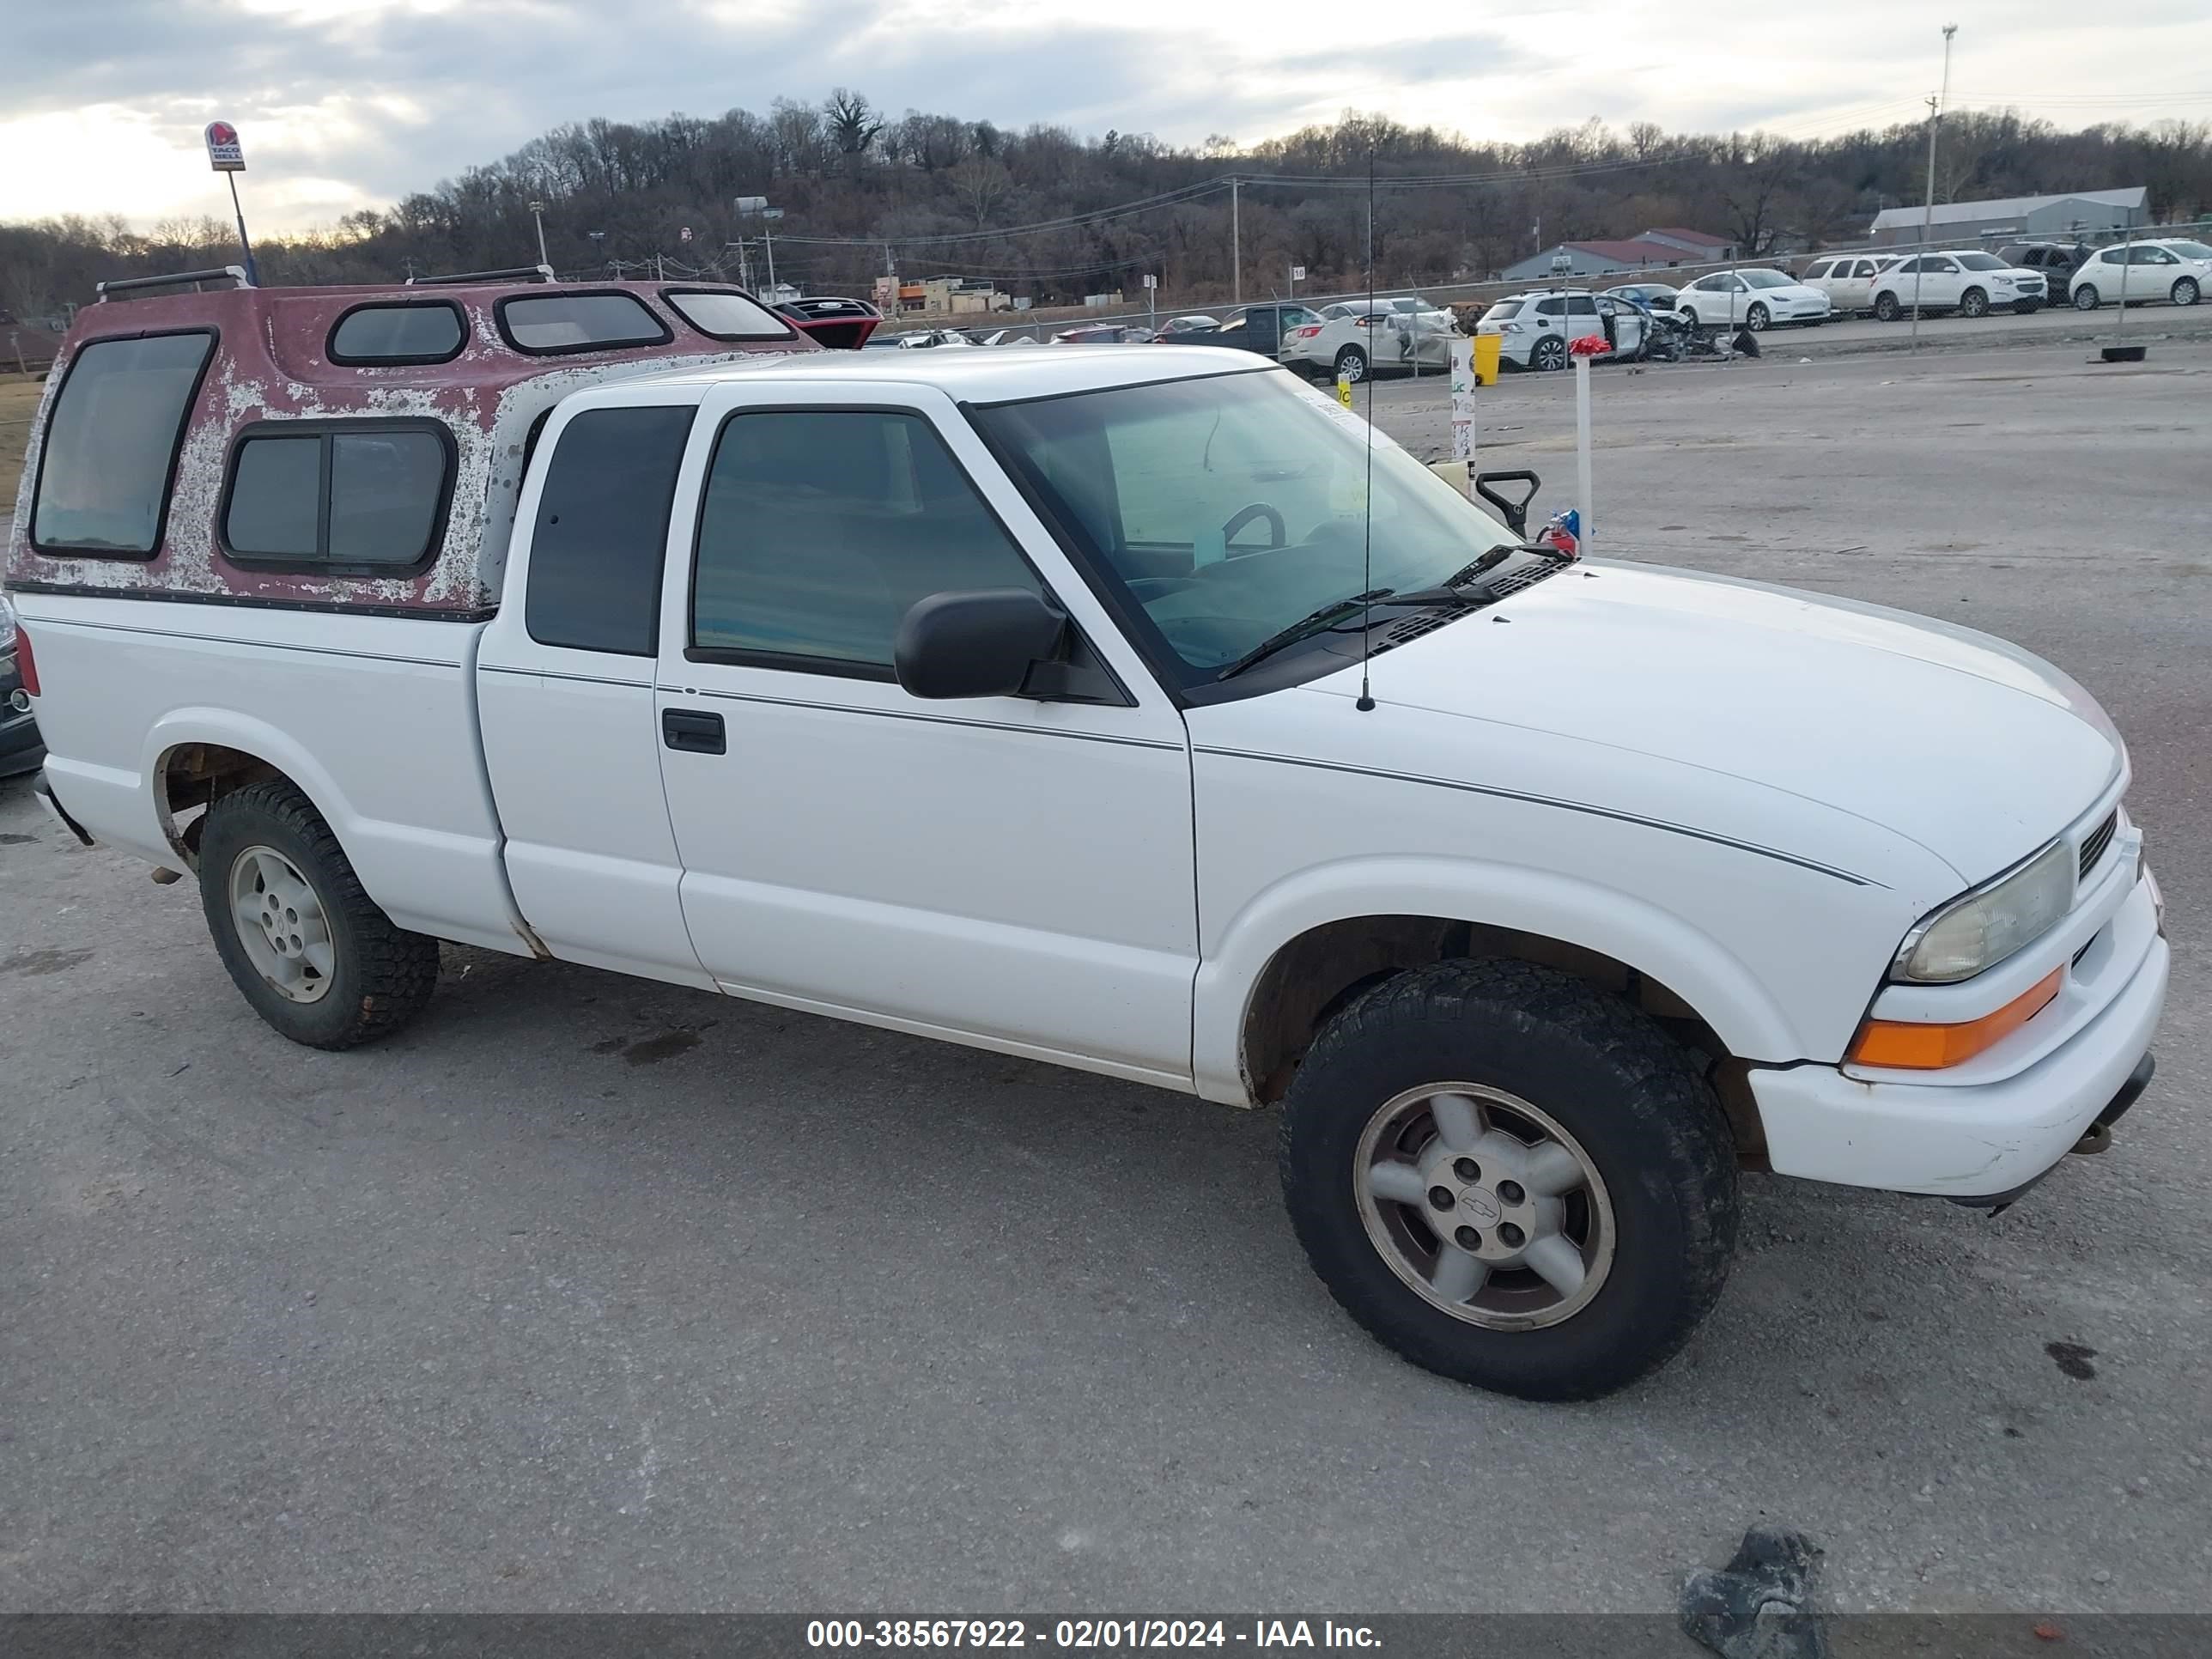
x=2185 y=292
x=1756 y=319
x=1511 y=1178
x=1884 y=307
x=2085 y=297
x=305 y=944
x=1352 y=365
x=1973 y=303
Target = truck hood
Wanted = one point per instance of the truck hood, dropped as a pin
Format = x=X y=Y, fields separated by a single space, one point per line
x=1968 y=746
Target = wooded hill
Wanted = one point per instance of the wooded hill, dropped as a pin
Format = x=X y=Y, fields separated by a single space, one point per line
x=1052 y=216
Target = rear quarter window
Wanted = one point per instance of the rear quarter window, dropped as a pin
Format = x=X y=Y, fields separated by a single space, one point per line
x=601 y=532
x=111 y=444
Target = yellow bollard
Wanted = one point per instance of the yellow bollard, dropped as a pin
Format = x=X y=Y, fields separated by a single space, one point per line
x=1485 y=359
x=1344 y=391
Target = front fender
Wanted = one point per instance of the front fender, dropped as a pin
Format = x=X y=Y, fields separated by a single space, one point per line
x=1723 y=988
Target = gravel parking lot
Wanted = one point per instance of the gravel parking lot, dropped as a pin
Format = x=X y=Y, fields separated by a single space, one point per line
x=589 y=1293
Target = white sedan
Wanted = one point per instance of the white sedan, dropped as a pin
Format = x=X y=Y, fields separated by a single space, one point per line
x=1964 y=280
x=2178 y=271
x=1753 y=299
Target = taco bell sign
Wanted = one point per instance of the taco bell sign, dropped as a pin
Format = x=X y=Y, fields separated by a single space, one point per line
x=225 y=154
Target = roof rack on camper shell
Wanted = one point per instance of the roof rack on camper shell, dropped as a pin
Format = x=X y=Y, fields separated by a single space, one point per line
x=429 y=398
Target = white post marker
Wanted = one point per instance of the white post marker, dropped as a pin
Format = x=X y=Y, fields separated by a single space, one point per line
x=1583 y=448
x=1463 y=399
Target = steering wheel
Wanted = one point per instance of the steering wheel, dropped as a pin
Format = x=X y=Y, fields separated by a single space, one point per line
x=1244 y=515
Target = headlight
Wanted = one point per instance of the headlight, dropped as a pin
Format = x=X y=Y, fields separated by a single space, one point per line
x=1981 y=929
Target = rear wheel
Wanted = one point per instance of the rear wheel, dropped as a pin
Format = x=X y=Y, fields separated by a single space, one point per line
x=1973 y=303
x=1511 y=1178
x=2085 y=297
x=1884 y=307
x=1548 y=353
x=1352 y=365
x=2185 y=292
x=304 y=944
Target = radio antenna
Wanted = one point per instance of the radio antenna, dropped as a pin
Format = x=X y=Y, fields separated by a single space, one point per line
x=1366 y=702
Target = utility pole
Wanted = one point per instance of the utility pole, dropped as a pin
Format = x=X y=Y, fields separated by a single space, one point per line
x=1928 y=214
x=1236 y=240
x=537 y=215
x=598 y=243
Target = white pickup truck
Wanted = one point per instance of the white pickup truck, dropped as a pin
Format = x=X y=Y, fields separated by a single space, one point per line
x=1059 y=703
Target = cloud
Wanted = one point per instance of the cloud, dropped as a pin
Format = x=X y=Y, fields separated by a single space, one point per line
x=347 y=102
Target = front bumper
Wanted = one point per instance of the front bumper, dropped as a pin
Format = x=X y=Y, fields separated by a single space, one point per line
x=1977 y=1140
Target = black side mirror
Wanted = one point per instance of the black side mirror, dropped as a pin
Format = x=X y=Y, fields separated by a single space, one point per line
x=982 y=643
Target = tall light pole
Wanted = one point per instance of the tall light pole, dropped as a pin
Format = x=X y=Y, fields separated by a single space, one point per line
x=1928 y=215
x=599 y=242
x=1236 y=240
x=537 y=215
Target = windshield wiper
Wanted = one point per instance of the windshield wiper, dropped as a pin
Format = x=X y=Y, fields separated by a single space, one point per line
x=1315 y=621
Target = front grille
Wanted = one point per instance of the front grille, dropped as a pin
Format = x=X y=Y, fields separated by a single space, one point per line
x=2094 y=843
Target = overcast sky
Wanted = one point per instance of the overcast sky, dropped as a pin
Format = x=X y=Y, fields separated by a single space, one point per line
x=344 y=104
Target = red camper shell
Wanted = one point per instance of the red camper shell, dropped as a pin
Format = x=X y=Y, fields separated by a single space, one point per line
x=382 y=432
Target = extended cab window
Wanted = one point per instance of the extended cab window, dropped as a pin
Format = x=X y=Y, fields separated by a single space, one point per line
x=597 y=550
x=344 y=496
x=547 y=323
x=410 y=331
x=111 y=444
x=820 y=528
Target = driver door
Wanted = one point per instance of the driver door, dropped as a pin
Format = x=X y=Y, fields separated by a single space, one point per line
x=1008 y=871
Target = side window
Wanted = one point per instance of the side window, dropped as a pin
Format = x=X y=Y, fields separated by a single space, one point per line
x=820 y=528
x=1908 y=268
x=111 y=446
x=1550 y=308
x=352 y=498
x=1581 y=305
x=1864 y=268
x=1818 y=271
x=410 y=331
x=597 y=550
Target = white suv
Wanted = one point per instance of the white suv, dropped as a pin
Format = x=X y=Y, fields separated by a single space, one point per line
x=1848 y=278
x=2137 y=273
x=1966 y=280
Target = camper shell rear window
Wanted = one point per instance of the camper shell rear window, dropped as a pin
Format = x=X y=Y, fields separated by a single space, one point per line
x=399 y=332
x=110 y=455
x=548 y=325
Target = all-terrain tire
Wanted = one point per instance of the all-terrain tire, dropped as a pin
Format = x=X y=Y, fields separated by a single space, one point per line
x=381 y=975
x=1635 y=1098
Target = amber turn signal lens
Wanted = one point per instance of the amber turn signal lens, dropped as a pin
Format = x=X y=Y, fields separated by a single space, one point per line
x=1916 y=1048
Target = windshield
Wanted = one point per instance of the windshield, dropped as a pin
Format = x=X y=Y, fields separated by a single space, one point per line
x=2191 y=250
x=1766 y=279
x=1231 y=507
x=1982 y=262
